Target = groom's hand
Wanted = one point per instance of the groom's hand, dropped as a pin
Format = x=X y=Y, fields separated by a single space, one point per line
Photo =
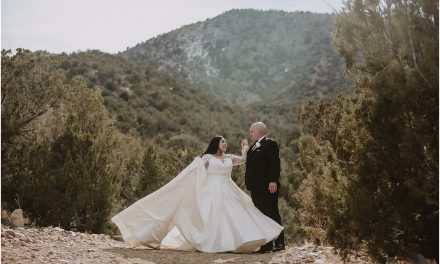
x=273 y=187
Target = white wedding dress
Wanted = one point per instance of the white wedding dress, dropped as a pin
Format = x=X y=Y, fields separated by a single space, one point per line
x=200 y=209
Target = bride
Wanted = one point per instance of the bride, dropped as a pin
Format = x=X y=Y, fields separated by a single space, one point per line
x=200 y=209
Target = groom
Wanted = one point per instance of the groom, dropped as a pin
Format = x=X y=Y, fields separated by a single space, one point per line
x=262 y=178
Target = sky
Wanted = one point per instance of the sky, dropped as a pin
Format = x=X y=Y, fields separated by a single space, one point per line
x=113 y=25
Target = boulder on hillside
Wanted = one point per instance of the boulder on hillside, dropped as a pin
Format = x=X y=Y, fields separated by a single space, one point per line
x=17 y=219
x=5 y=217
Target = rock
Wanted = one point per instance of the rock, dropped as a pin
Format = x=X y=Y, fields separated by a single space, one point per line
x=117 y=238
x=19 y=235
x=16 y=242
x=25 y=239
x=310 y=259
x=17 y=218
x=231 y=260
x=5 y=217
x=9 y=233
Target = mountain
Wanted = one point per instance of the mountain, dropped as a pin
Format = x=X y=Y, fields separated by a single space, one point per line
x=249 y=55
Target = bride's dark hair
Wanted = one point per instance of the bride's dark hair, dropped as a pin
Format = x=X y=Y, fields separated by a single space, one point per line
x=213 y=145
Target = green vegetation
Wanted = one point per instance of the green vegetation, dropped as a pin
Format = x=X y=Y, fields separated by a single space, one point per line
x=371 y=160
x=64 y=161
x=152 y=106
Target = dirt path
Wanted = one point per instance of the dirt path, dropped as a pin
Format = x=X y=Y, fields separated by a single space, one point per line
x=184 y=257
x=55 y=245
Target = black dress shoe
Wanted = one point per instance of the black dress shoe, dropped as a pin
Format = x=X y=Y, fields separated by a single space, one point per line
x=278 y=248
x=265 y=249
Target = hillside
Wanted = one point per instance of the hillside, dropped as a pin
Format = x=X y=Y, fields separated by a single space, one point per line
x=172 y=113
x=251 y=56
x=155 y=107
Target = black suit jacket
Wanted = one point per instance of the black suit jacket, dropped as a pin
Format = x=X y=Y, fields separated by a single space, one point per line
x=262 y=165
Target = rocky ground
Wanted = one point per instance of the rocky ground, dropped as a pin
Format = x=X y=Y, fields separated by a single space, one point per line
x=55 y=245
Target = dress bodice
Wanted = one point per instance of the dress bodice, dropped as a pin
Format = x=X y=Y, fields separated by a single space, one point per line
x=219 y=168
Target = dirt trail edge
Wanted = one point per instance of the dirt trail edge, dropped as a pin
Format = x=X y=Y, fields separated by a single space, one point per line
x=55 y=245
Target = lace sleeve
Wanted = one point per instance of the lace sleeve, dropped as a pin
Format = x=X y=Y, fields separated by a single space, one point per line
x=205 y=159
x=238 y=160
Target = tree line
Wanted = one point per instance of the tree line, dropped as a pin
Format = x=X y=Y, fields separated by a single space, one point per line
x=370 y=160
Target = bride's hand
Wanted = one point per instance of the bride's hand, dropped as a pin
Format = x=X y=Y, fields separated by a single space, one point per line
x=244 y=145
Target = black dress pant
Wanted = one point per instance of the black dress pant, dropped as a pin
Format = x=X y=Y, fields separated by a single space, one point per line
x=267 y=203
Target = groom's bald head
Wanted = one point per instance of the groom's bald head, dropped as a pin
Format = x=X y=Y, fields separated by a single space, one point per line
x=257 y=130
x=259 y=126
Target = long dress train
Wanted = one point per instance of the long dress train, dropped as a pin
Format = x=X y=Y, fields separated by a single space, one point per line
x=200 y=209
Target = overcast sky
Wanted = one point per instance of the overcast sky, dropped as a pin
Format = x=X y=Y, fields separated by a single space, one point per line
x=113 y=25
